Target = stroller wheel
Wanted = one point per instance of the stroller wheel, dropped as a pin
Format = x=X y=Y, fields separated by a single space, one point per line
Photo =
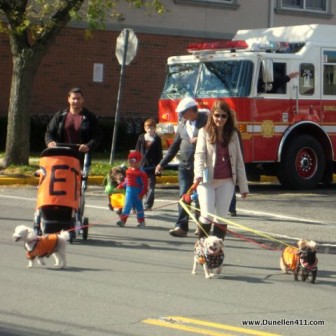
x=37 y=224
x=85 y=229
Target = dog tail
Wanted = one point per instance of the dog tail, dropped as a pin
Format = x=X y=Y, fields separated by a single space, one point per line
x=283 y=265
x=65 y=235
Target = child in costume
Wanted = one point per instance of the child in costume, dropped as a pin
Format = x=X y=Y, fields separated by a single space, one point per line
x=136 y=185
x=112 y=180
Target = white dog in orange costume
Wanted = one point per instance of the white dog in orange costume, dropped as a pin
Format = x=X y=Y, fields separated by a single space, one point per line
x=42 y=246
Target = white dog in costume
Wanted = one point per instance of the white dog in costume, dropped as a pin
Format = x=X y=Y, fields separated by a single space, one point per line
x=209 y=252
x=42 y=246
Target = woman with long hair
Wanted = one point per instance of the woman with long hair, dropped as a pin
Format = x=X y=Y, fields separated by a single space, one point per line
x=218 y=167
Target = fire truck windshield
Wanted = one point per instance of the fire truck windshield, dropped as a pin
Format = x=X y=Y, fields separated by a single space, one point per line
x=209 y=79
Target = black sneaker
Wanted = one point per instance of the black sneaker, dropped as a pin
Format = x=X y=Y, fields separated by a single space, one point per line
x=121 y=223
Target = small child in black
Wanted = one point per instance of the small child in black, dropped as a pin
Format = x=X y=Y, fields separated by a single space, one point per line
x=150 y=146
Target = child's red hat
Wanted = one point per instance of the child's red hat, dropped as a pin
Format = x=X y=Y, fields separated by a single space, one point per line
x=135 y=155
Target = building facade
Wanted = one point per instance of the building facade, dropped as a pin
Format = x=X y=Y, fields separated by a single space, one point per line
x=91 y=63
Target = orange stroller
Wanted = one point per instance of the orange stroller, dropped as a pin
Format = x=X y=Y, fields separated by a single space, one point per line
x=61 y=192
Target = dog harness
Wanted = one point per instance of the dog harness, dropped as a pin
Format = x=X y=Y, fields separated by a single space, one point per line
x=212 y=260
x=44 y=246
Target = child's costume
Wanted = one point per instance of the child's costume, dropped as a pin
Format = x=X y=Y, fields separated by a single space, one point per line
x=136 y=184
x=111 y=181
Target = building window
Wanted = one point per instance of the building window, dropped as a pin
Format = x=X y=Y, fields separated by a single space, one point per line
x=313 y=6
x=229 y=4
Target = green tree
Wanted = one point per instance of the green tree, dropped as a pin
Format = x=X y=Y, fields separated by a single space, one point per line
x=32 y=26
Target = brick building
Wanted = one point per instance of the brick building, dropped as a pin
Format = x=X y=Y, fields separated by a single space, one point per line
x=72 y=59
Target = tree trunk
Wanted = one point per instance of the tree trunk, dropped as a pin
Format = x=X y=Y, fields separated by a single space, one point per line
x=18 y=128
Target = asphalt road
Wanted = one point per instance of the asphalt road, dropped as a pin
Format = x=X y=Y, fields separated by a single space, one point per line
x=138 y=282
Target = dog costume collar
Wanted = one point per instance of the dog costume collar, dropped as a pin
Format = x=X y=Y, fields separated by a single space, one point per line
x=214 y=260
x=305 y=265
x=34 y=242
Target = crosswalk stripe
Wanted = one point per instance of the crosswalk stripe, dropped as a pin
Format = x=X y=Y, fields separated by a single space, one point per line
x=187 y=324
x=182 y=327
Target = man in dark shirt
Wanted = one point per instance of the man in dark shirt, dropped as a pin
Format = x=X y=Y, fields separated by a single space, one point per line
x=185 y=142
x=74 y=125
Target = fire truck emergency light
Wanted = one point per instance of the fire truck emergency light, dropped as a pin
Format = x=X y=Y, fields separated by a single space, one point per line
x=270 y=46
x=217 y=45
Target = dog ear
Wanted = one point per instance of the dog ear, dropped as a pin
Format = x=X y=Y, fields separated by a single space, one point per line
x=312 y=245
x=302 y=243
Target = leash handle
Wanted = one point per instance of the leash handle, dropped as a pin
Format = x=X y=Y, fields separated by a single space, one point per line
x=187 y=197
x=193 y=187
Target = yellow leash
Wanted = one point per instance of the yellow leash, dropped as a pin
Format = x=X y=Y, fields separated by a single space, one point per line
x=186 y=208
x=256 y=232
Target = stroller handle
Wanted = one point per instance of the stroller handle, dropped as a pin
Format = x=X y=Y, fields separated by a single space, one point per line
x=87 y=156
x=86 y=162
x=70 y=145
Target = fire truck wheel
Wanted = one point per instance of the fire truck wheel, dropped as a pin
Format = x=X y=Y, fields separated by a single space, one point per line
x=302 y=164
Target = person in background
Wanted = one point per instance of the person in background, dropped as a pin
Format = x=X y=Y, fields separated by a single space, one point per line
x=219 y=165
x=233 y=204
x=280 y=81
x=150 y=146
x=136 y=185
x=185 y=142
x=74 y=125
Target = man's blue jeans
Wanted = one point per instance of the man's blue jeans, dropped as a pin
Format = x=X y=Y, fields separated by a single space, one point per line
x=186 y=178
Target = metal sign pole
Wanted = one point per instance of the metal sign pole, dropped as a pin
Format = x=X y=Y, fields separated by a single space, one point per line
x=116 y=118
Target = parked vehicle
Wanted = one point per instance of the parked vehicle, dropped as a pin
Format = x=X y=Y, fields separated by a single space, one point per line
x=288 y=130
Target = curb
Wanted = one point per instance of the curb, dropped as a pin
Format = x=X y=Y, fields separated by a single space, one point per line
x=98 y=180
x=93 y=180
x=8 y=180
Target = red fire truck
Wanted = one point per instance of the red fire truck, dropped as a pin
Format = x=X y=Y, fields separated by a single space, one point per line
x=288 y=128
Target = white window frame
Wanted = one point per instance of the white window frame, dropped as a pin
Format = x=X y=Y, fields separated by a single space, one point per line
x=303 y=7
x=229 y=4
